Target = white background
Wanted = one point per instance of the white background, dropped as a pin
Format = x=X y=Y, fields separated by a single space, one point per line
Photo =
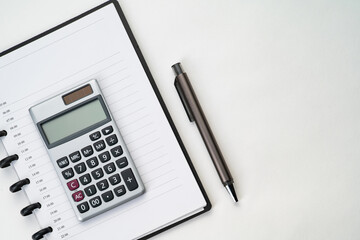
x=280 y=84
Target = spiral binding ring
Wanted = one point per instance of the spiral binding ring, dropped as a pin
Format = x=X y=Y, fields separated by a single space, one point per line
x=40 y=234
x=29 y=209
x=3 y=133
x=18 y=185
x=6 y=161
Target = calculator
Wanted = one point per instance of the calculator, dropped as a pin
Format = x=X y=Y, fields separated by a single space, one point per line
x=87 y=150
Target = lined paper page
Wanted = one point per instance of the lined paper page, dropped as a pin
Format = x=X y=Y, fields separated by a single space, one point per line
x=95 y=46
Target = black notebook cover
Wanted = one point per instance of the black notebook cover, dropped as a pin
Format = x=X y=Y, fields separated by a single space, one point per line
x=155 y=89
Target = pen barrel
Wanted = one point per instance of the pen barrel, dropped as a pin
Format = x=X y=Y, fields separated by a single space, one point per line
x=195 y=110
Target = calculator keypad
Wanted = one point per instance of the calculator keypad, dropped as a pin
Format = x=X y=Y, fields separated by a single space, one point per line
x=111 y=140
x=95 y=136
x=104 y=157
x=97 y=174
x=100 y=145
x=75 y=156
x=87 y=151
x=92 y=162
x=116 y=151
x=63 y=162
x=68 y=173
x=94 y=180
x=83 y=207
x=78 y=196
x=107 y=130
x=95 y=202
x=80 y=168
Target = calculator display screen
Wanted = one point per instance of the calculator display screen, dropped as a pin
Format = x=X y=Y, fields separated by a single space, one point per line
x=74 y=121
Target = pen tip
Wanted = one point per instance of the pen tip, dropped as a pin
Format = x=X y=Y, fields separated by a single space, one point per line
x=230 y=188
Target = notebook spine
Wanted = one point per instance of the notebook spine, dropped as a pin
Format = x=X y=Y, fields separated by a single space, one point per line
x=16 y=187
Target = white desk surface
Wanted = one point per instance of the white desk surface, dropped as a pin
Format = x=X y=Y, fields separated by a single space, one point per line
x=279 y=82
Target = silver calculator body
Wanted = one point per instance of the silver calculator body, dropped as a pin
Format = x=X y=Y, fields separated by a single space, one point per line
x=87 y=150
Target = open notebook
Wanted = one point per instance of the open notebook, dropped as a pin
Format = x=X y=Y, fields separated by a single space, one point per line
x=97 y=44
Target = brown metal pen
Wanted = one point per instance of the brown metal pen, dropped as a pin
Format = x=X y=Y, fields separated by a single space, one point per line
x=195 y=113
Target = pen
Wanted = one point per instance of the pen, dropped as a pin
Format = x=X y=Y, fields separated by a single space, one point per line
x=196 y=114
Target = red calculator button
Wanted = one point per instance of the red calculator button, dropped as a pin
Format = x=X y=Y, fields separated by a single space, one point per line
x=72 y=185
x=78 y=196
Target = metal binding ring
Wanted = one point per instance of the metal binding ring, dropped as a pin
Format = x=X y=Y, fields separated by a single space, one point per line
x=6 y=161
x=40 y=234
x=18 y=185
x=29 y=209
x=3 y=133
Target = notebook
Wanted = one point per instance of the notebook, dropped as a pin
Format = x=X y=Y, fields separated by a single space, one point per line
x=97 y=44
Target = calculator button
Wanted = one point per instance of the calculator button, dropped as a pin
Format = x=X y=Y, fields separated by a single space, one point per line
x=95 y=202
x=107 y=130
x=68 y=173
x=78 y=196
x=114 y=179
x=107 y=196
x=75 y=156
x=119 y=191
x=92 y=162
x=129 y=179
x=95 y=136
x=63 y=162
x=104 y=157
x=100 y=145
x=72 y=185
x=109 y=168
x=98 y=173
x=87 y=151
x=122 y=162
x=80 y=168
x=85 y=179
x=84 y=207
x=102 y=185
x=116 y=151
x=111 y=140
x=91 y=190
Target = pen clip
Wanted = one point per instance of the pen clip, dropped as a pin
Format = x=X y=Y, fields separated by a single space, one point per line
x=184 y=102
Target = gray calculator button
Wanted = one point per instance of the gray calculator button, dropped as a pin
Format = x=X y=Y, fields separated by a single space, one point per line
x=102 y=185
x=115 y=179
x=104 y=157
x=122 y=162
x=84 y=207
x=109 y=168
x=91 y=190
x=80 y=168
x=68 y=173
x=63 y=162
x=75 y=156
x=95 y=202
x=87 y=151
x=129 y=179
x=116 y=151
x=85 y=179
x=97 y=174
x=107 y=196
x=100 y=145
x=119 y=191
x=111 y=140
x=95 y=136
x=107 y=130
x=92 y=162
